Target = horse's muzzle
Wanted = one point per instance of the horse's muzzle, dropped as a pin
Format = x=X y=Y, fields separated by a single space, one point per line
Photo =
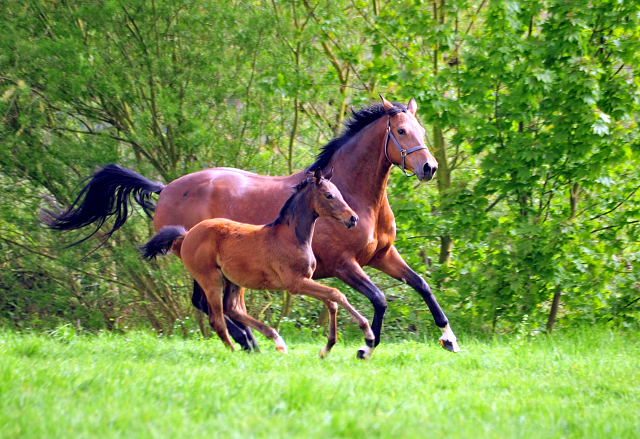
x=427 y=172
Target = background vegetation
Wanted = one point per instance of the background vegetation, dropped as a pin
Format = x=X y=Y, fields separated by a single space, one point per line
x=531 y=108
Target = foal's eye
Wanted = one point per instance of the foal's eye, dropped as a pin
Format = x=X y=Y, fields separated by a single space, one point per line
x=329 y=196
x=402 y=132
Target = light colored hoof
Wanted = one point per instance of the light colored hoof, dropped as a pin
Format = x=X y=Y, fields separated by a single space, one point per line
x=365 y=353
x=281 y=346
x=324 y=353
x=449 y=340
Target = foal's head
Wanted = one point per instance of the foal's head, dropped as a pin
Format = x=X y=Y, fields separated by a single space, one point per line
x=327 y=199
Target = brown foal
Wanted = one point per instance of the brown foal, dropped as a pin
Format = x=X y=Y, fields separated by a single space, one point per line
x=275 y=256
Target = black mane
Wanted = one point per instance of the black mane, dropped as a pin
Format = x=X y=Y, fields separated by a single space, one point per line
x=353 y=125
x=287 y=205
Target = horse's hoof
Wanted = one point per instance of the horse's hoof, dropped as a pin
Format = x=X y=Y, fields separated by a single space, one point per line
x=281 y=346
x=449 y=340
x=324 y=353
x=451 y=346
x=365 y=353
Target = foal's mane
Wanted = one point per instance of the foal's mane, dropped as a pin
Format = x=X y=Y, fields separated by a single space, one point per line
x=289 y=203
x=358 y=120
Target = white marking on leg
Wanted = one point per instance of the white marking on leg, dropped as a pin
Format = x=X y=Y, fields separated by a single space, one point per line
x=449 y=336
x=281 y=346
x=367 y=352
x=324 y=352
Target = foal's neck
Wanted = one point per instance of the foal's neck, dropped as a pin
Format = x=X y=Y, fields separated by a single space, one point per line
x=299 y=217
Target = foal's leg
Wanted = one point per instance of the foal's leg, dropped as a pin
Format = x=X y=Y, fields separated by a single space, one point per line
x=239 y=314
x=212 y=284
x=391 y=263
x=199 y=300
x=324 y=293
x=333 y=328
x=234 y=297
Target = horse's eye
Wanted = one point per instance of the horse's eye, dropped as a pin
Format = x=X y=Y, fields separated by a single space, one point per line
x=329 y=196
x=401 y=131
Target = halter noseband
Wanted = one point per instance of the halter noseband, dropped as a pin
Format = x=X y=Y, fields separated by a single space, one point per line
x=403 y=152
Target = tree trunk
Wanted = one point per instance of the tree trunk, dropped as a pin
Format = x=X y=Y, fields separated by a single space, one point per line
x=323 y=318
x=554 y=309
x=573 y=201
x=287 y=305
x=443 y=177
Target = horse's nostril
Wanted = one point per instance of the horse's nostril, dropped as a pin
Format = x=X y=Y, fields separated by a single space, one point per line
x=429 y=171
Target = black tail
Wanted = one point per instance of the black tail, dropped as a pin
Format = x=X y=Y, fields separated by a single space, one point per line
x=161 y=242
x=106 y=194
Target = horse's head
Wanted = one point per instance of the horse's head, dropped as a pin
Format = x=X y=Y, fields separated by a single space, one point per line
x=328 y=200
x=404 y=141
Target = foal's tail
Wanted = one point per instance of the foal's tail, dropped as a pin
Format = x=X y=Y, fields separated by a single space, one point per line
x=161 y=243
x=107 y=193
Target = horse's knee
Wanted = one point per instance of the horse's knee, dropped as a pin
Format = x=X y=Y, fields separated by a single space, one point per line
x=332 y=306
x=379 y=302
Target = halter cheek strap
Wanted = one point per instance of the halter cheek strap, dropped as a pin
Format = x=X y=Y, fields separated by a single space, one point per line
x=403 y=152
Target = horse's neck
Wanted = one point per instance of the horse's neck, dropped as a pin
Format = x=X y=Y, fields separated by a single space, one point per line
x=361 y=168
x=300 y=219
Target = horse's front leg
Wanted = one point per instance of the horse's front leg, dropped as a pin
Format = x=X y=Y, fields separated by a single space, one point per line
x=390 y=262
x=352 y=274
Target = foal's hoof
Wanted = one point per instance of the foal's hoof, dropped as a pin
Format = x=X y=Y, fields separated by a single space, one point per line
x=451 y=346
x=365 y=353
x=281 y=346
x=324 y=352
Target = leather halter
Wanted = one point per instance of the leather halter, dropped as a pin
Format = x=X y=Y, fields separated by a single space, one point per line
x=403 y=152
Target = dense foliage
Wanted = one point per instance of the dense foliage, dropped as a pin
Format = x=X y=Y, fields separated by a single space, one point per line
x=531 y=108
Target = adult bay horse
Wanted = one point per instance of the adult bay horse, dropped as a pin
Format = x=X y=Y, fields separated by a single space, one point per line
x=275 y=256
x=374 y=138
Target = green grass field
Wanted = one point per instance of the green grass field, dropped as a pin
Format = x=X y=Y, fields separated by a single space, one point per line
x=582 y=384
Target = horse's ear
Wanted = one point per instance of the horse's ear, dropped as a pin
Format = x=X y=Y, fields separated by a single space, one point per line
x=318 y=175
x=412 y=106
x=329 y=174
x=387 y=105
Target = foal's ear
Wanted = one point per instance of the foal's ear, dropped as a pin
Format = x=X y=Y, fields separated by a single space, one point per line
x=387 y=105
x=329 y=174
x=317 y=175
x=412 y=106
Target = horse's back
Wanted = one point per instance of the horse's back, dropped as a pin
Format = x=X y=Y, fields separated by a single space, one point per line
x=222 y=193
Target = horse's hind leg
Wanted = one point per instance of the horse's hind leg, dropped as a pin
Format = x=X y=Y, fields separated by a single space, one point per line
x=237 y=331
x=198 y=299
x=234 y=297
x=332 y=337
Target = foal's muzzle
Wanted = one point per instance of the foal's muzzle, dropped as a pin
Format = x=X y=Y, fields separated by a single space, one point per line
x=351 y=222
